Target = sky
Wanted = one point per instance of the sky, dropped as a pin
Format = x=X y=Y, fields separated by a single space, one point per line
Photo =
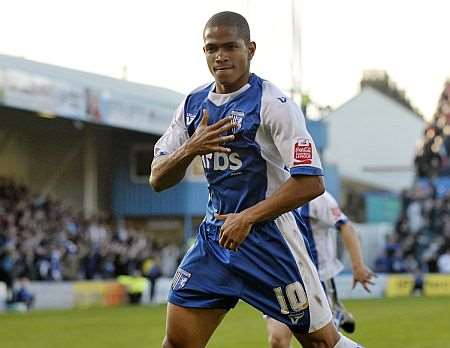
x=160 y=42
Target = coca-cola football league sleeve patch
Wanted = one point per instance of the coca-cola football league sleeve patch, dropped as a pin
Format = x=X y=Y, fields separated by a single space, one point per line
x=305 y=159
x=302 y=151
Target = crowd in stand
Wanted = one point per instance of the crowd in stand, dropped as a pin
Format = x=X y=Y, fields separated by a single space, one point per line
x=421 y=240
x=433 y=150
x=42 y=239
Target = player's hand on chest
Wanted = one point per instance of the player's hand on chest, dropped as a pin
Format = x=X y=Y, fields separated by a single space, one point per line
x=211 y=137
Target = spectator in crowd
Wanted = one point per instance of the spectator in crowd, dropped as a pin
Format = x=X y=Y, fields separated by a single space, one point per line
x=6 y=268
x=443 y=262
x=382 y=263
x=22 y=297
x=135 y=285
x=169 y=259
x=418 y=283
x=152 y=269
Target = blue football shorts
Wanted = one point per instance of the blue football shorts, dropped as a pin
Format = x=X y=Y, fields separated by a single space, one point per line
x=272 y=271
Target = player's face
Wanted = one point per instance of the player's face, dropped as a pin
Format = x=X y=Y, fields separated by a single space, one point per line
x=228 y=57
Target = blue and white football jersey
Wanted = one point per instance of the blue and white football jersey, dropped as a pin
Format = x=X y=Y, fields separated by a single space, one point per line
x=271 y=143
x=272 y=270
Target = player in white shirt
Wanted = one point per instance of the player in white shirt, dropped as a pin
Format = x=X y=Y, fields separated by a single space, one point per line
x=323 y=218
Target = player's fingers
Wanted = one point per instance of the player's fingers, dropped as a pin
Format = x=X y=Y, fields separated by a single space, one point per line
x=221 y=217
x=223 y=239
x=225 y=128
x=366 y=287
x=225 y=139
x=227 y=121
x=232 y=245
x=220 y=140
x=220 y=149
x=214 y=133
x=204 y=121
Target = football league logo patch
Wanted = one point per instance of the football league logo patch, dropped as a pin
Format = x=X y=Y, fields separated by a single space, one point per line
x=302 y=152
x=237 y=119
x=180 y=279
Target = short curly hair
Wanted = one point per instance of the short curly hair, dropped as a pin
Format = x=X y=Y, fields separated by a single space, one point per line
x=230 y=19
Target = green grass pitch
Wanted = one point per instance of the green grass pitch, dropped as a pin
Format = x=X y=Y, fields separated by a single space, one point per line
x=416 y=322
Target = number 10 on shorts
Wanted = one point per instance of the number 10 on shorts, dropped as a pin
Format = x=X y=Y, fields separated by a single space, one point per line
x=295 y=295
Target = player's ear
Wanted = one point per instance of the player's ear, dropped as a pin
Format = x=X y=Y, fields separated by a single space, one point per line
x=251 y=49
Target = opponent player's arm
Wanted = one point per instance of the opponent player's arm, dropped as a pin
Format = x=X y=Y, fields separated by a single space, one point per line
x=351 y=242
x=170 y=169
x=361 y=273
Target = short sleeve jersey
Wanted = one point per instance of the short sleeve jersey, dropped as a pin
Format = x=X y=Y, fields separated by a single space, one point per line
x=271 y=143
x=325 y=217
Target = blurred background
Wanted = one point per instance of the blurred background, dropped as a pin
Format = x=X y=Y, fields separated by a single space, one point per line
x=87 y=88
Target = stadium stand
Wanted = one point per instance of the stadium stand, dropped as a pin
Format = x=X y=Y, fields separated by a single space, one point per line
x=421 y=240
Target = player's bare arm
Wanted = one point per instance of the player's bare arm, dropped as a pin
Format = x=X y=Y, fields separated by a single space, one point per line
x=295 y=192
x=361 y=273
x=168 y=170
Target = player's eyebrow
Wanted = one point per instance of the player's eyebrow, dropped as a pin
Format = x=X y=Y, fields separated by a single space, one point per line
x=214 y=44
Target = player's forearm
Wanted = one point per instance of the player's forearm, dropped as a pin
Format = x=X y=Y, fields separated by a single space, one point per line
x=351 y=242
x=169 y=170
x=293 y=193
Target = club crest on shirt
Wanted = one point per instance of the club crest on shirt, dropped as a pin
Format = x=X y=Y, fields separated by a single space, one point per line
x=189 y=118
x=237 y=119
x=180 y=279
x=302 y=151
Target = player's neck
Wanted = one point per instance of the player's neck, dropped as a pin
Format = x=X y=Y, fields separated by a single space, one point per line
x=233 y=87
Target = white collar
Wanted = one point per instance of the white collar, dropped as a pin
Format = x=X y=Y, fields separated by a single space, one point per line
x=220 y=99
